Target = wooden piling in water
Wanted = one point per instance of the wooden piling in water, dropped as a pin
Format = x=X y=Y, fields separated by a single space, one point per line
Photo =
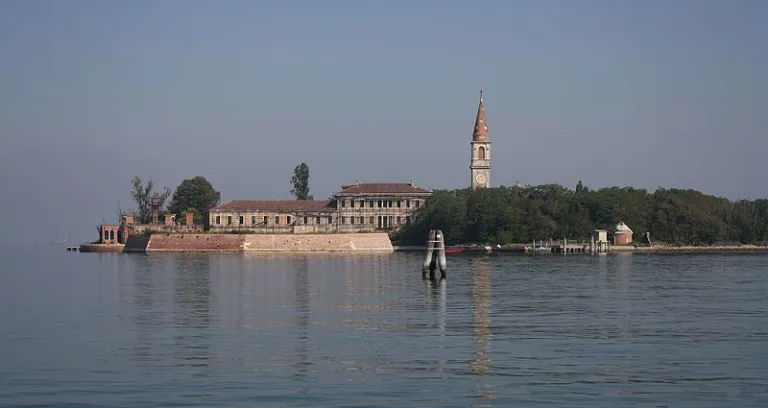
x=435 y=257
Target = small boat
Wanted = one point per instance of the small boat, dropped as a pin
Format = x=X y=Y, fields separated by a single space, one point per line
x=454 y=250
x=542 y=250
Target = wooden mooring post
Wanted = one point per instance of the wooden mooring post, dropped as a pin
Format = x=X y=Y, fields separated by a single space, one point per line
x=435 y=255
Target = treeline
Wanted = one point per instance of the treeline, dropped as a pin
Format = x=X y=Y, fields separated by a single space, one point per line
x=505 y=215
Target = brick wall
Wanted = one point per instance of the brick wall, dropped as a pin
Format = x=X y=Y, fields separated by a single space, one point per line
x=195 y=243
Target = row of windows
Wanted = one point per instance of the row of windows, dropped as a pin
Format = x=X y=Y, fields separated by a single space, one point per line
x=305 y=219
x=371 y=220
x=380 y=203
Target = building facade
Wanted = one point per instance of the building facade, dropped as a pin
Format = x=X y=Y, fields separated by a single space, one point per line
x=360 y=207
x=480 y=164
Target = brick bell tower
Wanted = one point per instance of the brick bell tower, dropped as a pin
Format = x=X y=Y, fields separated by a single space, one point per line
x=480 y=165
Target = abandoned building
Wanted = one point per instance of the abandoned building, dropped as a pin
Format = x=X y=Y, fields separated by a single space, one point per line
x=359 y=207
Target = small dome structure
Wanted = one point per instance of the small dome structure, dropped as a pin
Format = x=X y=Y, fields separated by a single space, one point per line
x=622 y=235
x=622 y=228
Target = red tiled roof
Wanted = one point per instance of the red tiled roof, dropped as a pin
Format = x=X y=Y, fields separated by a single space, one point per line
x=382 y=188
x=275 y=205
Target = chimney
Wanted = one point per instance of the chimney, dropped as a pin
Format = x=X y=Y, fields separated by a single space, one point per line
x=189 y=217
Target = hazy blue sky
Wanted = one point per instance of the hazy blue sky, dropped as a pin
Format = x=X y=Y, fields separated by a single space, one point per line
x=645 y=93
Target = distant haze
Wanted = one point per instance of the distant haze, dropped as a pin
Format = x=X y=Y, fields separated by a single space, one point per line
x=646 y=93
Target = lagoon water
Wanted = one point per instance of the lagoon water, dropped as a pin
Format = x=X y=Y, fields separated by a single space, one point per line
x=365 y=330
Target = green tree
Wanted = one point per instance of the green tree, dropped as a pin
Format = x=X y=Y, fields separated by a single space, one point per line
x=300 y=182
x=143 y=195
x=520 y=214
x=196 y=195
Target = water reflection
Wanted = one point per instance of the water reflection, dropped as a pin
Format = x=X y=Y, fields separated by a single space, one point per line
x=436 y=294
x=302 y=297
x=147 y=288
x=624 y=309
x=192 y=315
x=481 y=299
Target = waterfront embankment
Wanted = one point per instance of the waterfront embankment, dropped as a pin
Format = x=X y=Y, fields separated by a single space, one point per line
x=691 y=249
x=355 y=242
x=657 y=249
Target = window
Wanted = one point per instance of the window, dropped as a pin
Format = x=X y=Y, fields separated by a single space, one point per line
x=277 y=219
x=218 y=220
x=389 y=203
x=416 y=203
x=352 y=220
x=306 y=220
x=351 y=203
x=343 y=203
x=407 y=220
x=317 y=220
x=253 y=220
x=266 y=220
x=398 y=220
x=330 y=220
x=371 y=220
x=481 y=153
x=288 y=220
x=343 y=220
x=362 y=204
x=241 y=220
x=407 y=203
x=370 y=204
x=398 y=203
x=362 y=220
x=112 y=234
x=379 y=203
x=229 y=220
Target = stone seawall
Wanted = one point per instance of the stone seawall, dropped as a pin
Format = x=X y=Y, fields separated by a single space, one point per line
x=195 y=243
x=353 y=242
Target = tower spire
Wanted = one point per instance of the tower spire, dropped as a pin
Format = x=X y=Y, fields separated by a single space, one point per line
x=481 y=127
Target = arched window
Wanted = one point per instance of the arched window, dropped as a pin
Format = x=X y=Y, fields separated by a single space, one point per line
x=481 y=153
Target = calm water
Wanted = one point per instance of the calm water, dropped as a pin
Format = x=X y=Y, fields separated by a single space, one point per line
x=365 y=330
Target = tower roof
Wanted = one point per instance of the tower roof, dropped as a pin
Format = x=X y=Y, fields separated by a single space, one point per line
x=481 y=126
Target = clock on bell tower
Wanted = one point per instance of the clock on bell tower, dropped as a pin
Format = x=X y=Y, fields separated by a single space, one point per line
x=480 y=165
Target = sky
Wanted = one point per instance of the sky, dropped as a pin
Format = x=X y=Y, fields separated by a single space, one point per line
x=653 y=93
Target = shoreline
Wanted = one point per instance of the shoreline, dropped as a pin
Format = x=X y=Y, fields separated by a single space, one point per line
x=658 y=249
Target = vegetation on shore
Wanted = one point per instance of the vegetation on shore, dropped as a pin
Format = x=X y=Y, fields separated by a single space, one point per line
x=196 y=195
x=143 y=194
x=300 y=182
x=504 y=215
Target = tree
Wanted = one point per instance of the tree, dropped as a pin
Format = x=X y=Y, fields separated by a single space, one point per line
x=196 y=195
x=521 y=214
x=300 y=182
x=143 y=197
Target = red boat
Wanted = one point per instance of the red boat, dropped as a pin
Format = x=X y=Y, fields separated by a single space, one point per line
x=454 y=250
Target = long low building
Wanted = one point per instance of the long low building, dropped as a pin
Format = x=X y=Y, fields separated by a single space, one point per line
x=360 y=207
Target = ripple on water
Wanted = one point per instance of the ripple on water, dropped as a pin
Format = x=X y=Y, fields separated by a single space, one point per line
x=223 y=330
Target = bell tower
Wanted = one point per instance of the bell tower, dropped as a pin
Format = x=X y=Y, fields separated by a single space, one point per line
x=480 y=165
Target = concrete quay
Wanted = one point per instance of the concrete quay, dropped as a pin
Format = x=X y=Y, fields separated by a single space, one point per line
x=324 y=243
